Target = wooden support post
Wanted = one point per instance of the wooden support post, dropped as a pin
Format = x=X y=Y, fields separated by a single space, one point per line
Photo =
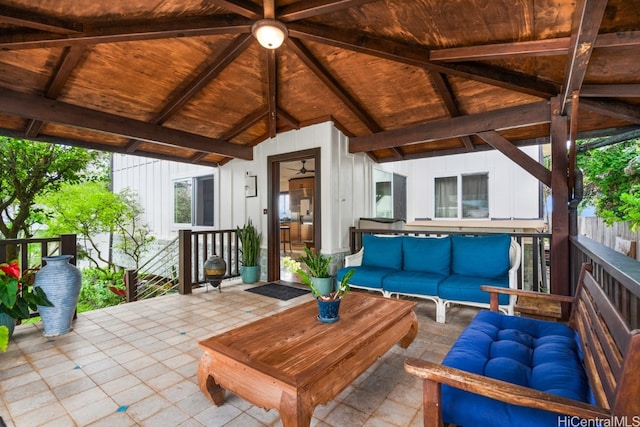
x=68 y=246
x=184 y=264
x=560 y=204
x=131 y=283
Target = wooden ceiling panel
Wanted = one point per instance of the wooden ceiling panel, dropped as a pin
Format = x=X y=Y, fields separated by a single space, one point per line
x=135 y=79
x=225 y=101
x=474 y=97
x=28 y=71
x=62 y=132
x=616 y=65
x=394 y=94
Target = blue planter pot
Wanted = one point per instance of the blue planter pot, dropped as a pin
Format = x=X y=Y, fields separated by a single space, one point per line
x=9 y=322
x=250 y=274
x=328 y=311
x=61 y=282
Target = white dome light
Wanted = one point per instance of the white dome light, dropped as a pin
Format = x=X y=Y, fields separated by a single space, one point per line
x=269 y=33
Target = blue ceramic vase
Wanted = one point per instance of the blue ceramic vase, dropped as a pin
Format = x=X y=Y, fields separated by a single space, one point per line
x=328 y=311
x=61 y=282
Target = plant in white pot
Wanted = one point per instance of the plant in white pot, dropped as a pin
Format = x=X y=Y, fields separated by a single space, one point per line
x=250 y=240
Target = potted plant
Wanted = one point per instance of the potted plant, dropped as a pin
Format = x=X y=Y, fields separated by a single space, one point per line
x=328 y=303
x=318 y=266
x=18 y=297
x=250 y=241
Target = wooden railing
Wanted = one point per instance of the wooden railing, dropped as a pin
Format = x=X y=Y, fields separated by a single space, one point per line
x=618 y=274
x=534 y=268
x=29 y=252
x=197 y=246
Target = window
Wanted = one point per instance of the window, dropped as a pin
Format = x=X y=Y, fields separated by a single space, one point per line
x=390 y=195
x=193 y=201
x=283 y=206
x=464 y=196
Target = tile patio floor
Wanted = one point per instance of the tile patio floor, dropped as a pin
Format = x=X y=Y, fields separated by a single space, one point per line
x=135 y=364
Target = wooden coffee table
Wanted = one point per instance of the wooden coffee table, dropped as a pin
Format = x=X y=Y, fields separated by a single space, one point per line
x=292 y=362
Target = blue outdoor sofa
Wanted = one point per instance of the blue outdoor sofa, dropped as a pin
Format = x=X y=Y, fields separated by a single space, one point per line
x=446 y=270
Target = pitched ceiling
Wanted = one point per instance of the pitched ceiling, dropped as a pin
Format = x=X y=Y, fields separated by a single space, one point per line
x=185 y=79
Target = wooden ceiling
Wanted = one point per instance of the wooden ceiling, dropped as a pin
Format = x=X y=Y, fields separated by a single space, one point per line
x=185 y=79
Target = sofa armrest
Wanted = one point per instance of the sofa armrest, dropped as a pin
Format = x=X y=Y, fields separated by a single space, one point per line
x=515 y=260
x=354 y=260
x=494 y=292
x=435 y=374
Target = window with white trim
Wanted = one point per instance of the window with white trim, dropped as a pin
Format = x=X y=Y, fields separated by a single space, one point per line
x=462 y=196
x=193 y=201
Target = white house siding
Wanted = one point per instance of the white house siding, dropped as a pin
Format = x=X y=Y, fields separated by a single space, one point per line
x=346 y=188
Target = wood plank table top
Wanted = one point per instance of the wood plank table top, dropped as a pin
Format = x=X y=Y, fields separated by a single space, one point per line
x=292 y=362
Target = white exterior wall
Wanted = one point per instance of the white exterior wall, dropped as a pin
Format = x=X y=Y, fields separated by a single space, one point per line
x=346 y=188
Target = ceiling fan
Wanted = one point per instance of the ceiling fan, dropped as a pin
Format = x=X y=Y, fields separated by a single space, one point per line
x=303 y=170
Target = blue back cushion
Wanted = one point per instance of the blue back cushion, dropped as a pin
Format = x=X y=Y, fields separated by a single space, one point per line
x=484 y=256
x=426 y=254
x=383 y=252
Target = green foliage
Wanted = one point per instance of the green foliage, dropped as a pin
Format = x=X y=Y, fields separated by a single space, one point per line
x=611 y=181
x=250 y=240
x=95 y=291
x=317 y=263
x=4 y=338
x=30 y=169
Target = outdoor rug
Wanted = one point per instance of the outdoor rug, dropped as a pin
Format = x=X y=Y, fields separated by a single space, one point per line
x=281 y=292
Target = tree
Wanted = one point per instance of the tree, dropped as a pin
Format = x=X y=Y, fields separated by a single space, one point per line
x=90 y=209
x=612 y=181
x=29 y=170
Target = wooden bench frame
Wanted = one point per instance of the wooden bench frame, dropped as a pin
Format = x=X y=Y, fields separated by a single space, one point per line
x=611 y=360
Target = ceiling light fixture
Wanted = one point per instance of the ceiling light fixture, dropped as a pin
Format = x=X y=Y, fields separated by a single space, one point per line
x=269 y=33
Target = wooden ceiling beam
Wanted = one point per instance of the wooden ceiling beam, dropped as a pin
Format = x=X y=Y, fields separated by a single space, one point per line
x=272 y=95
x=442 y=86
x=334 y=86
x=310 y=8
x=246 y=123
x=506 y=118
x=102 y=147
x=612 y=108
x=132 y=31
x=40 y=108
x=70 y=58
x=23 y=18
x=611 y=91
x=418 y=57
x=545 y=47
x=585 y=25
x=245 y=8
x=505 y=146
x=288 y=118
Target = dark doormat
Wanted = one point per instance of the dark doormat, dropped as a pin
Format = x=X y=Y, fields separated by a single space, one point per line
x=275 y=290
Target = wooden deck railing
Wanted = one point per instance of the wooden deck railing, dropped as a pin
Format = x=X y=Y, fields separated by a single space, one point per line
x=29 y=252
x=618 y=274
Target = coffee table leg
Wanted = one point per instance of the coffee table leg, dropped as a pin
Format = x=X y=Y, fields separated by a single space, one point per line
x=295 y=411
x=207 y=384
x=413 y=332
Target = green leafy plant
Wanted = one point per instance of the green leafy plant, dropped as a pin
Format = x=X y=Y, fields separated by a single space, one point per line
x=250 y=240
x=317 y=263
x=295 y=267
x=4 y=338
x=17 y=294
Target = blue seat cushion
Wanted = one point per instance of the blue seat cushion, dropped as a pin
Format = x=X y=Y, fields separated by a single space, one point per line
x=413 y=282
x=484 y=256
x=370 y=277
x=426 y=254
x=382 y=252
x=467 y=288
x=532 y=353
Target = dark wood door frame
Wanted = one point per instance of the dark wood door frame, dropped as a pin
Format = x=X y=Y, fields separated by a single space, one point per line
x=273 y=220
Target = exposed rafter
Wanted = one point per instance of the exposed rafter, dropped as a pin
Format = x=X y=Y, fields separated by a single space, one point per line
x=39 y=108
x=14 y=16
x=310 y=8
x=456 y=127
